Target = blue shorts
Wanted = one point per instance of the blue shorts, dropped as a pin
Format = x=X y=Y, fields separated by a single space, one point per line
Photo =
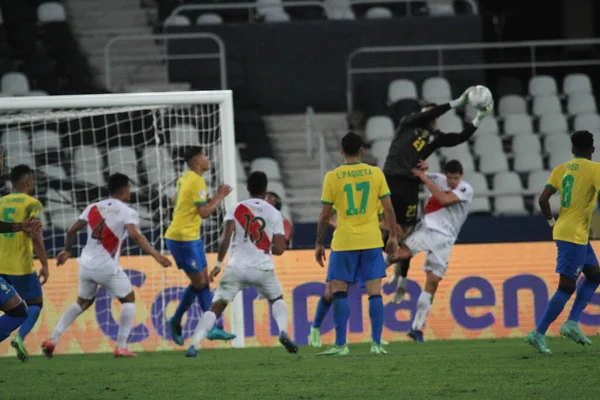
x=572 y=258
x=189 y=256
x=356 y=265
x=7 y=292
x=28 y=286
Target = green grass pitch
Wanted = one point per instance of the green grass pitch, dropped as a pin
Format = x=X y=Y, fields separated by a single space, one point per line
x=479 y=369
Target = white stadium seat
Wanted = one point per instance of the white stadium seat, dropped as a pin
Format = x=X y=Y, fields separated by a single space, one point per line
x=53 y=171
x=577 y=83
x=276 y=16
x=537 y=179
x=158 y=166
x=587 y=122
x=124 y=161
x=144 y=216
x=528 y=161
x=51 y=12
x=581 y=103
x=64 y=218
x=278 y=188
x=58 y=200
x=487 y=144
x=184 y=135
x=401 y=89
x=455 y=152
x=434 y=163
x=379 y=127
x=554 y=203
x=209 y=19
x=553 y=123
x=380 y=149
x=542 y=85
x=546 y=105
x=44 y=141
x=450 y=123
x=512 y=104
x=15 y=84
x=559 y=156
x=177 y=20
x=14 y=157
x=437 y=88
x=518 y=124
x=480 y=187
x=466 y=160
x=15 y=139
x=440 y=8
x=267 y=165
x=556 y=142
x=489 y=125
x=378 y=13
x=242 y=191
x=510 y=203
x=492 y=163
x=87 y=165
x=526 y=144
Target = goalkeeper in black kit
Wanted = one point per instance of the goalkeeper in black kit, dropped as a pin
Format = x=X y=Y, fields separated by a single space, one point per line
x=416 y=139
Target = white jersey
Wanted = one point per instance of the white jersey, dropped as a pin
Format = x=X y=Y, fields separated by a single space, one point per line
x=107 y=222
x=448 y=220
x=256 y=222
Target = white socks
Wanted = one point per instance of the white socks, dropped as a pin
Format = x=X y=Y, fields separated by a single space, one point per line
x=206 y=323
x=280 y=315
x=423 y=307
x=67 y=319
x=125 y=324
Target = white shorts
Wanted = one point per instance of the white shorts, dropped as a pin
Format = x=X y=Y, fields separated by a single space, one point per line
x=115 y=281
x=437 y=245
x=236 y=279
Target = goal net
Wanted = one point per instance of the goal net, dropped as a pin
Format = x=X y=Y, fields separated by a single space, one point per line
x=74 y=143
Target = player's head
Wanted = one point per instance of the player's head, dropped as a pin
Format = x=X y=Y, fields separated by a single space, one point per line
x=21 y=178
x=257 y=184
x=352 y=146
x=274 y=199
x=453 y=170
x=427 y=107
x=196 y=159
x=119 y=187
x=583 y=144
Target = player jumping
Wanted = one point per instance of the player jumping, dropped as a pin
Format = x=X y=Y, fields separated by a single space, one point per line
x=578 y=182
x=355 y=189
x=416 y=139
x=257 y=228
x=446 y=211
x=16 y=252
x=192 y=204
x=108 y=222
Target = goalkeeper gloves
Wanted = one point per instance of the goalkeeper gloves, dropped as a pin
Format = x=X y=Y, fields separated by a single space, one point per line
x=481 y=114
x=462 y=100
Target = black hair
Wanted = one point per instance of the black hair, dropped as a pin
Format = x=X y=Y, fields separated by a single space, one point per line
x=453 y=167
x=19 y=172
x=257 y=183
x=278 y=201
x=351 y=144
x=192 y=152
x=116 y=182
x=583 y=142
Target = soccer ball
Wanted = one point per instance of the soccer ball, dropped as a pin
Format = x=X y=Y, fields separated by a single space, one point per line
x=480 y=97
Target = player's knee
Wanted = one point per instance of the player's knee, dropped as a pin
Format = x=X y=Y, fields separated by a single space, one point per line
x=130 y=298
x=593 y=277
x=275 y=299
x=38 y=301
x=568 y=288
x=20 y=311
x=85 y=303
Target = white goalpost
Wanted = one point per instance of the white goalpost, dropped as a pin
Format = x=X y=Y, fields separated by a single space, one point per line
x=73 y=143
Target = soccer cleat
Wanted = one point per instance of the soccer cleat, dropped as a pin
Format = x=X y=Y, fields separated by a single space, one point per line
x=537 y=341
x=314 y=339
x=400 y=291
x=220 y=334
x=336 y=351
x=286 y=342
x=384 y=342
x=571 y=330
x=122 y=353
x=176 y=332
x=48 y=348
x=19 y=346
x=416 y=335
x=378 y=349
x=191 y=352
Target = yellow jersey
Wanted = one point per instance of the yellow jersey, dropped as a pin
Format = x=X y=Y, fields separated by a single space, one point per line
x=16 y=248
x=577 y=182
x=191 y=192
x=355 y=191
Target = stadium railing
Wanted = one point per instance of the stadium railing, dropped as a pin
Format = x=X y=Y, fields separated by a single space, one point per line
x=441 y=66
x=316 y=143
x=112 y=61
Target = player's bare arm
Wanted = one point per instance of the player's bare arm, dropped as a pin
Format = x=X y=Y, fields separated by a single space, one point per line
x=142 y=242
x=30 y=225
x=322 y=226
x=223 y=248
x=279 y=245
x=544 y=202
x=206 y=210
x=444 y=198
x=40 y=252
x=64 y=255
x=389 y=216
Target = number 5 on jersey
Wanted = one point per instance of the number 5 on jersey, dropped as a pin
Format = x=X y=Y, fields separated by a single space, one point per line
x=364 y=188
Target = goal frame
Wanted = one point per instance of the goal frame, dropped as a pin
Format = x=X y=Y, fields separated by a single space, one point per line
x=224 y=98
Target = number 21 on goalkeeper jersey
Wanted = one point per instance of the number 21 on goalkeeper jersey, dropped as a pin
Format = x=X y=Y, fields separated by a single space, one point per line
x=355 y=190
